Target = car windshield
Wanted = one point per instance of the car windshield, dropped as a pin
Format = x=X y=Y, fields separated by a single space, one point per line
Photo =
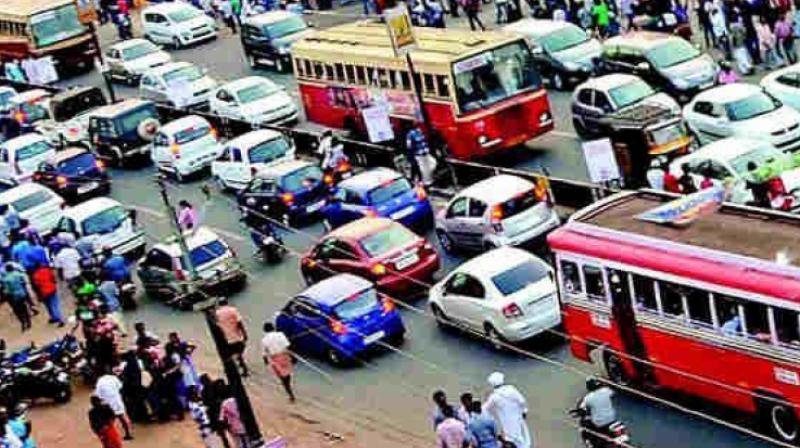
x=760 y=156
x=207 y=253
x=388 y=190
x=494 y=75
x=518 y=204
x=303 y=178
x=268 y=151
x=57 y=25
x=191 y=134
x=32 y=200
x=139 y=50
x=672 y=52
x=669 y=133
x=184 y=14
x=564 y=38
x=285 y=27
x=256 y=92
x=631 y=93
x=130 y=120
x=33 y=111
x=105 y=221
x=752 y=106
x=69 y=107
x=394 y=237
x=357 y=305
x=519 y=277
x=188 y=73
x=34 y=149
x=77 y=164
x=6 y=95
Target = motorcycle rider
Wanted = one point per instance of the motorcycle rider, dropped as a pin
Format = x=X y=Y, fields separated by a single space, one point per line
x=597 y=403
x=260 y=227
x=115 y=267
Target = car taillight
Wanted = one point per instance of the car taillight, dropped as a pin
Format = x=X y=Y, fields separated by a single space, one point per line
x=328 y=179
x=497 y=218
x=388 y=305
x=100 y=165
x=253 y=171
x=61 y=181
x=512 y=311
x=176 y=150
x=20 y=117
x=287 y=198
x=343 y=166
x=421 y=193
x=213 y=133
x=370 y=212
x=179 y=275
x=37 y=176
x=96 y=139
x=378 y=269
x=338 y=327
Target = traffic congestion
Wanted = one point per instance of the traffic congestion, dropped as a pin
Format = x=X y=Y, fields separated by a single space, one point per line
x=580 y=223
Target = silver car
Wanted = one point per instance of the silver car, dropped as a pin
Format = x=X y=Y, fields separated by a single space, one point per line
x=179 y=84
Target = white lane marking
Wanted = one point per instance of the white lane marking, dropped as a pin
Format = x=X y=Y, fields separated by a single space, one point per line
x=160 y=215
x=150 y=211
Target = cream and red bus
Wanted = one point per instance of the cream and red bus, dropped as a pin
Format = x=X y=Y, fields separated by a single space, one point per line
x=481 y=91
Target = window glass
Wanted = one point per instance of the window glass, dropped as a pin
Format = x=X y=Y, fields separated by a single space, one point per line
x=787 y=327
x=350 y=72
x=458 y=208
x=585 y=97
x=105 y=222
x=207 y=253
x=319 y=72
x=755 y=316
x=443 y=86
x=750 y=107
x=308 y=68
x=33 y=150
x=56 y=25
x=159 y=259
x=339 y=71
x=570 y=277
x=361 y=75
x=301 y=178
x=357 y=305
x=645 y=293
x=519 y=277
x=728 y=315
x=595 y=288
x=405 y=80
x=672 y=299
x=699 y=306
x=269 y=150
x=32 y=200
x=601 y=101
x=390 y=239
x=342 y=251
x=429 y=86
x=389 y=190
x=465 y=285
x=477 y=208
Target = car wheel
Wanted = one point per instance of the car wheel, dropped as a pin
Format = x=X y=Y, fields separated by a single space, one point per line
x=252 y=61
x=179 y=176
x=558 y=81
x=280 y=65
x=439 y=316
x=494 y=338
x=334 y=357
x=445 y=241
x=63 y=394
x=176 y=43
x=580 y=129
x=781 y=421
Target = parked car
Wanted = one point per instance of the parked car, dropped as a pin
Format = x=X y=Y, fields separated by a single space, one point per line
x=378 y=249
x=564 y=53
x=36 y=203
x=292 y=191
x=178 y=24
x=380 y=192
x=122 y=131
x=21 y=156
x=29 y=107
x=598 y=97
x=506 y=294
x=743 y=110
x=6 y=93
x=245 y=156
x=68 y=112
x=254 y=99
x=185 y=146
x=75 y=173
x=502 y=210
x=784 y=84
x=664 y=61
x=179 y=84
x=340 y=318
x=105 y=223
x=165 y=276
x=128 y=60
x=267 y=38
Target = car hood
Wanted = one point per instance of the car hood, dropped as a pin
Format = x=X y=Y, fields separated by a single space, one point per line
x=146 y=62
x=204 y=83
x=267 y=105
x=698 y=71
x=288 y=40
x=583 y=54
x=766 y=124
x=195 y=23
x=663 y=100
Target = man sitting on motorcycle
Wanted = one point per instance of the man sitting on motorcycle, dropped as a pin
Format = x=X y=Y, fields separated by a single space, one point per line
x=597 y=403
x=115 y=267
x=260 y=227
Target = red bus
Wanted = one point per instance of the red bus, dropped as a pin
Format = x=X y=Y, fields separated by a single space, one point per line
x=709 y=309
x=480 y=91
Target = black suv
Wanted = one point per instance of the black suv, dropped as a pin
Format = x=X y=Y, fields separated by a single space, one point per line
x=123 y=131
x=266 y=38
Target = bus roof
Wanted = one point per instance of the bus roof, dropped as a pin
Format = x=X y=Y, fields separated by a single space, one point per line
x=21 y=10
x=368 y=42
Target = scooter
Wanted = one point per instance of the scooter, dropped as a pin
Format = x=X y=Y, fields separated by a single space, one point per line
x=612 y=436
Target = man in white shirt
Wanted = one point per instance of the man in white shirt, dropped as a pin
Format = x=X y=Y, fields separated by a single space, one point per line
x=108 y=389
x=68 y=263
x=278 y=356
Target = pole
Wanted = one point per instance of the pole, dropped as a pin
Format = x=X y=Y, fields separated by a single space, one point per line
x=418 y=92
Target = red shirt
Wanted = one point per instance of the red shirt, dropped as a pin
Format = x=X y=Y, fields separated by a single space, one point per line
x=44 y=282
x=122 y=5
x=671 y=183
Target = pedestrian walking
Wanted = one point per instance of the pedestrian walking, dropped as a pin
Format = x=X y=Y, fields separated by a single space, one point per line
x=726 y=74
x=187 y=216
x=686 y=181
x=767 y=43
x=109 y=389
x=109 y=292
x=102 y=421
x=68 y=265
x=481 y=430
x=212 y=394
x=199 y=414
x=784 y=34
x=227 y=15
x=16 y=290
x=509 y=409
x=44 y=284
x=233 y=331
x=8 y=439
x=440 y=405
x=472 y=8
x=600 y=18
x=451 y=432
x=135 y=382
x=18 y=425
x=418 y=153
x=181 y=353
x=230 y=417
x=744 y=62
x=278 y=357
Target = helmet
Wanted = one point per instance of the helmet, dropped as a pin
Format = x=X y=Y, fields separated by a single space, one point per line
x=592 y=384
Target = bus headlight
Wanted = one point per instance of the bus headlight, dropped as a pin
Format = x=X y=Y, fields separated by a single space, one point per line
x=482 y=140
x=545 y=118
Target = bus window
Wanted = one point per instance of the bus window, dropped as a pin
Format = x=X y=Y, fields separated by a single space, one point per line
x=443 y=86
x=405 y=80
x=699 y=303
x=727 y=315
x=595 y=287
x=383 y=78
x=787 y=326
x=308 y=68
x=319 y=71
x=299 y=67
x=672 y=299
x=339 y=68
x=350 y=73
x=570 y=277
x=372 y=76
x=361 y=75
x=644 y=290
x=429 y=87
x=756 y=321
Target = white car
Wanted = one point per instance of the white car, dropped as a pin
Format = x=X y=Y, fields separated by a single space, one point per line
x=180 y=84
x=743 y=110
x=105 y=223
x=506 y=294
x=35 y=203
x=254 y=99
x=130 y=59
x=177 y=24
x=784 y=84
x=245 y=156
x=21 y=156
x=185 y=146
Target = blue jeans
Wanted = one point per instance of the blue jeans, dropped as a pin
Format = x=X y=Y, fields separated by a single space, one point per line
x=53 y=305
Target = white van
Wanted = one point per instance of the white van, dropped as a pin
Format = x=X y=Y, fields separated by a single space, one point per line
x=35 y=203
x=185 y=146
x=21 y=156
x=105 y=223
x=177 y=24
x=243 y=157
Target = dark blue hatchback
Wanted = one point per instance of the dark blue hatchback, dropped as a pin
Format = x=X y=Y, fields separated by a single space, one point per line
x=75 y=174
x=339 y=318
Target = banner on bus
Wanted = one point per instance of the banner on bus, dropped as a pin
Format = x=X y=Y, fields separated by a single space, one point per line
x=685 y=210
x=400 y=31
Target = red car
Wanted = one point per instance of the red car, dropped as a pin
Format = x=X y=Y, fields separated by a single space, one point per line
x=378 y=249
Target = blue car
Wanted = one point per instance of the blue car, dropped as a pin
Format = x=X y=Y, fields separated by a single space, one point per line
x=339 y=318
x=75 y=174
x=380 y=192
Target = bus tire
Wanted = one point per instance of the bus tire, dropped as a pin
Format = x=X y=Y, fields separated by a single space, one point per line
x=614 y=369
x=779 y=420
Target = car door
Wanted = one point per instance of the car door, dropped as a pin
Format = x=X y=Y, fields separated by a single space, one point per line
x=709 y=121
x=457 y=297
x=455 y=223
x=312 y=326
x=225 y=104
x=343 y=258
x=600 y=107
x=319 y=267
x=351 y=206
x=148 y=87
x=254 y=41
x=238 y=168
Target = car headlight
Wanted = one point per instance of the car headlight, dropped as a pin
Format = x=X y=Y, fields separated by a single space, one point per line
x=572 y=66
x=283 y=50
x=680 y=83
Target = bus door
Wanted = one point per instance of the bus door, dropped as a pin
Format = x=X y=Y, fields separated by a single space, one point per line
x=622 y=312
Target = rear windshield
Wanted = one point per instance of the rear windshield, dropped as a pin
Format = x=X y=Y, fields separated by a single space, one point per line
x=518 y=204
x=32 y=200
x=207 y=253
x=394 y=237
x=257 y=92
x=5 y=96
x=389 y=190
x=191 y=134
x=357 y=305
x=65 y=109
x=188 y=73
x=269 y=150
x=74 y=165
x=33 y=112
x=519 y=277
x=106 y=221
x=139 y=50
x=305 y=177
x=33 y=150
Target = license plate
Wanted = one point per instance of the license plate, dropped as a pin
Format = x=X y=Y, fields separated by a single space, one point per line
x=87 y=188
x=314 y=207
x=403 y=213
x=374 y=337
x=406 y=261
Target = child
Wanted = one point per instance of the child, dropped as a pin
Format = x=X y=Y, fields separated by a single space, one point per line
x=726 y=74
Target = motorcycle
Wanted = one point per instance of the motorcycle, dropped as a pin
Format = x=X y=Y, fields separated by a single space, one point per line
x=36 y=377
x=614 y=435
x=68 y=354
x=268 y=249
x=342 y=171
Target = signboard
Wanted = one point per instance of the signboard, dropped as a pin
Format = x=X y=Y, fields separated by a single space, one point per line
x=400 y=31
x=379 y=128
x=600 y=160
x=472 y=63
x=685 y=210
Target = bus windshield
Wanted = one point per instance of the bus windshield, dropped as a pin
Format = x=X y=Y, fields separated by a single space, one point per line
x=494 y=75
x=57 y=25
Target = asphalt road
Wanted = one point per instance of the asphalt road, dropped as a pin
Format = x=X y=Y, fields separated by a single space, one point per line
x=392 y=391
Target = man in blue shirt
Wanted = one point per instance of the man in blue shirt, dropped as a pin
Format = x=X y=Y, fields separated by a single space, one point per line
x=34 y=256
x=115 y=268
x=482 y=430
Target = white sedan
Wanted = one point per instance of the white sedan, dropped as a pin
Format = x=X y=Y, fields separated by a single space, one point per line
x=784 y=84
x=254 y=99
x=246 y=155
x=506 y=294
x=743 y=110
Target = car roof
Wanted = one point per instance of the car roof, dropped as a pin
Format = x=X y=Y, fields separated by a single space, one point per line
x=333 y=290
x=608 y=82
x=253 y=138
x=355 y=230
x=123 y=44
x=369 y=179
x=28 y=95
x=270 y=17
x=194 y=239
x=168 y=67
x=183 y=123
x=497 y=189
x=726 y=149
x=167 y=7
x=495 y=261
x=8 y=89
x=283 y=168
x=115 y=109
x=247 y=81
x=68 y=153
x=21 y=191
x=537 y=27
x=727 y=93
x=88 y=208
x=643 y=40
x=24 y=140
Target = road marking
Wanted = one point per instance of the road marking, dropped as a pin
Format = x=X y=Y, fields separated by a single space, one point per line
x=160 y=215
x=150 y=211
